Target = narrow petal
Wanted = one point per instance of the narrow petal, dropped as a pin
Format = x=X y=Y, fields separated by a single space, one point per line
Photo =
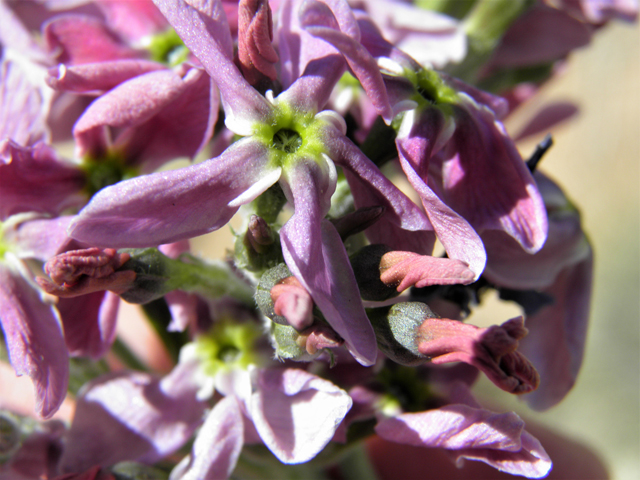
x=173 y=205
x=496 y=439
x=301 y=53
x=203 y=27
x=346 y=38
x=34 y=340
x=296 y=413
x=315 y=254
x=217 y=445
x=460 y=240
x=98 y=77
x=139 y=418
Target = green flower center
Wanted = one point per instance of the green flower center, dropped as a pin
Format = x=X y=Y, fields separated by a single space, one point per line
x=291 y=135
x=430 y=88
x=167 y=47
x=228 y=345
x=286 y=140
x=107 y=170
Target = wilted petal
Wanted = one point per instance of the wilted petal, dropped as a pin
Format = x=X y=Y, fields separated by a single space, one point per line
x=217 y=445
x=167 y=206
x=296 y=413
x=34 y=340
x=24 y=173
x=315 y=254
x=138 y=416
x=492 y=350
x=496 y=439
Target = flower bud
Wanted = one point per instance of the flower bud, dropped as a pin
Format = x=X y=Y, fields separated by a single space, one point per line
x=397 y=330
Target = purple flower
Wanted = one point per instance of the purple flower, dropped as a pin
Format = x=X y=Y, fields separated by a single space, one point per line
x=293 y=412
x=288 y=142
x=453 y=149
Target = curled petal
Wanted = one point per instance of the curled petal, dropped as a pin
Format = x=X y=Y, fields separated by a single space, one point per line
x=292 y=301
x=496 y=439
x=494 y=189
x=255 y=51
x=296 y=413
x=89 y=323
x=98 y=77
x=167 y=206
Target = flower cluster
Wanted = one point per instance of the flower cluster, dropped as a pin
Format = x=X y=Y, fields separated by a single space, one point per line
x=344 y=297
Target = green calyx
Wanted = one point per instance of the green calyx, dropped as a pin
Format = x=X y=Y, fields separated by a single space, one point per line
x=167 y=47
x=291 y=136
x=228 y=345
x=431 y=88
x=109 y=169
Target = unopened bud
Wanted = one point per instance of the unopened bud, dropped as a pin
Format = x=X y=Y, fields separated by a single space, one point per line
x=293 y=302
x=263 y=292
x=397 y=331
x=259 y=234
